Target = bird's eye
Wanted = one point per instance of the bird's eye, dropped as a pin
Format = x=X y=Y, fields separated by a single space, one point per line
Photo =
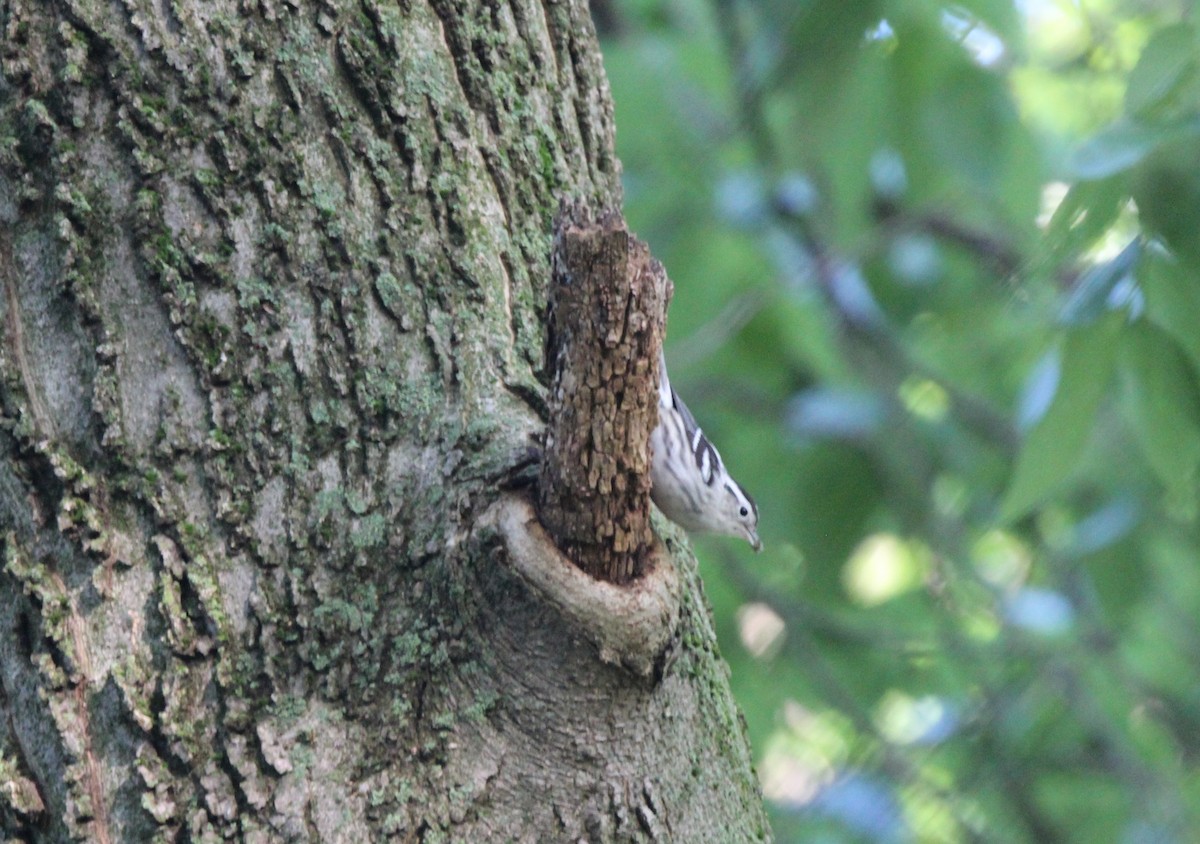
x=744 y=512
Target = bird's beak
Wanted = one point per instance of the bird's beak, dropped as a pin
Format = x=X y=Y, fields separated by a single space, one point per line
x=752 y=538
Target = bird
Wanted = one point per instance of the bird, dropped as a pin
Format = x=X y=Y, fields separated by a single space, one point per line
x=688 y=479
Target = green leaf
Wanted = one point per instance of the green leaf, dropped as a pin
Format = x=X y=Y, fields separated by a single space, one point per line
x=1173 y=301
x=1124 y=144
x=1165 y=78
x=1087 y=211
x=968 y=122
x=1053 y=447
x=998 y=15
x=1166 y=189
x=1164 y=409
x=1090 y=298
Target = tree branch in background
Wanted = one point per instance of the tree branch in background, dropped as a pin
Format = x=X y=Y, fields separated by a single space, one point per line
x=996 y=254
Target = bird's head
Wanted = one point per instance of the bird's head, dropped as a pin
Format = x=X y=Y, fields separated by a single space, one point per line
x=739 y=515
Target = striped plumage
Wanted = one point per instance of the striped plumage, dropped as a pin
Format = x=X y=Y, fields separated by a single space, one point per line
x=689 y=481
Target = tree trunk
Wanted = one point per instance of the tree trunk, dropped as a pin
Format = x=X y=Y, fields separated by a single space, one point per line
x=274 y=280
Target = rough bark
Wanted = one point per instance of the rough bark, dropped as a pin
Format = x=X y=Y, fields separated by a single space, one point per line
x=274 y=278
x=608 y=306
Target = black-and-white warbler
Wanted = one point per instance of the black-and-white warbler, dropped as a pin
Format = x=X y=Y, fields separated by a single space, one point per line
x=688 y=479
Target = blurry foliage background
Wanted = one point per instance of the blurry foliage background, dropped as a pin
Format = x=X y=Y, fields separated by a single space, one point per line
x=937 y=299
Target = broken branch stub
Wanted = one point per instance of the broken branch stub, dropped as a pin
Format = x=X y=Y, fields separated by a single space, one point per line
x=608 y=304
